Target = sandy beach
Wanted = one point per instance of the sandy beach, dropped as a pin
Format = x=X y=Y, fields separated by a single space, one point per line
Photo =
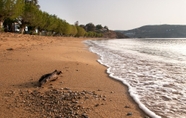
x=25 y=58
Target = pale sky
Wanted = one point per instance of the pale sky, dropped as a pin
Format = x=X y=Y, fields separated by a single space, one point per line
x=118 y=14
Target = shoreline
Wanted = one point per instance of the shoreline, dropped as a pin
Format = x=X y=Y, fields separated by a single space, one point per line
x=129 y=88
x=25 y=58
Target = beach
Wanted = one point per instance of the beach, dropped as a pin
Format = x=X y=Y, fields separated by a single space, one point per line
x=25 y=58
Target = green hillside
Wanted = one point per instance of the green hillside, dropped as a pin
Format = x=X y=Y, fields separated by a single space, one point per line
x=157 y=31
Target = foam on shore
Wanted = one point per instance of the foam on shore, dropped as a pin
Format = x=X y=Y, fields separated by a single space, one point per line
x=131 y=91
x=155 y=80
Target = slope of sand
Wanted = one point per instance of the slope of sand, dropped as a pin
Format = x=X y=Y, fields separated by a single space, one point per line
x=24 y=59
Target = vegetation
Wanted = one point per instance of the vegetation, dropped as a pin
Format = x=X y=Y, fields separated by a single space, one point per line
x=25 y=16
x=157 y=31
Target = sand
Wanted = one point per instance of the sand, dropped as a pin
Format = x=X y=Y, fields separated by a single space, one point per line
x=25 y=58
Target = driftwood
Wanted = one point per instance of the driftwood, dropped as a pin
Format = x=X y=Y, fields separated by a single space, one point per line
x=49 y=77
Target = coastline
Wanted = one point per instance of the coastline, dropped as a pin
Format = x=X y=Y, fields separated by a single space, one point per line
x=25 y=58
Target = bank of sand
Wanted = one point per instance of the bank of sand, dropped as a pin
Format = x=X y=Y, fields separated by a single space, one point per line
x=24 y=58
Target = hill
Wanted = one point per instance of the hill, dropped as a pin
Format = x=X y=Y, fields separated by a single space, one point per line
x=157 y=31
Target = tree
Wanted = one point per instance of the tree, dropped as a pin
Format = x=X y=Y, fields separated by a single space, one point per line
x=63 y=27
x=90 y=34
x=67 y=29
x=5 y=10
x=10 y=9
x=90 y=27
x=37 y=20
x=18 y=9
x=27 y=13
x=52 y=23
x=99 y=27
x=29 y=16
x=73 y=30
x=106 y=28
x=83 y=26
x=80 y=31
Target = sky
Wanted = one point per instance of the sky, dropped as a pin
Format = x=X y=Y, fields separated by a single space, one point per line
x=118 y=14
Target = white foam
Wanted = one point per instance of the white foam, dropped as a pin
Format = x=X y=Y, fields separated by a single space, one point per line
x=131 y=91
x=153 y=84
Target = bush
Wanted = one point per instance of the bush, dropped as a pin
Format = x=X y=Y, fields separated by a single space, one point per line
x=1 y=29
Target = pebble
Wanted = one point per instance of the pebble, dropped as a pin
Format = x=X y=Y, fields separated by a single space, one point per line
x=9 y=49
x=112 y=92
x=127 y=106
x=51 y=87
x=57 y=103
x=66 y=88
x=96 y=105
x=104 y=99
x=129 y=114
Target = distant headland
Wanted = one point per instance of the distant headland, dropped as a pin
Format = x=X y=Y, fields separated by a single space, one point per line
x=156 y=31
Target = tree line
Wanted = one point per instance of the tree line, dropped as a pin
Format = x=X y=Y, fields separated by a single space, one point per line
x=27 y=13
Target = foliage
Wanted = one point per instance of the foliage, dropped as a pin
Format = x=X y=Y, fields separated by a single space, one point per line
x=11 y=8
x=1 y=29
x=94 y=31
x=80 y=31
x=90 y=27
x=27 y=13
x=73 y=30
x=93 y=34
x=99 y=27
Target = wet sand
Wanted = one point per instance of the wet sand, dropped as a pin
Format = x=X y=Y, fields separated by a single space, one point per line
x=25 y=58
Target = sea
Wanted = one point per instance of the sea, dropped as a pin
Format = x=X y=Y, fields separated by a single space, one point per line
x=153 y=69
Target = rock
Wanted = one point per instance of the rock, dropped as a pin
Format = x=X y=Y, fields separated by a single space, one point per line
x=9 y=49
x=96 y=105
x=84 y=115
x=66 y=88
x=129 y=114
x=104 y=99
x=127 y=106
x=51 y=87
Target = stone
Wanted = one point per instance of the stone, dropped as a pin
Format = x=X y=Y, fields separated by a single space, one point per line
x=96 y=105
x=112 y=92
x=99 y=90
x=56 y=103
x=9 y=49
x=127 y=106
x=129 y=113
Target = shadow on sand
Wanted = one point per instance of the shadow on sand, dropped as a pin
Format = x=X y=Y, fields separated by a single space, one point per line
x=31 y=84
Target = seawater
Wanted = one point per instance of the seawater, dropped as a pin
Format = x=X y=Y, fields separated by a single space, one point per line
x=153 y=69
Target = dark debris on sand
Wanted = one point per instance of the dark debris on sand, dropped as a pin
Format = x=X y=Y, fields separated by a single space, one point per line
x=56 y=103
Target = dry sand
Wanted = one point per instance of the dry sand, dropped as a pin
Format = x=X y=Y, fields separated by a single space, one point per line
x=25 y=58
